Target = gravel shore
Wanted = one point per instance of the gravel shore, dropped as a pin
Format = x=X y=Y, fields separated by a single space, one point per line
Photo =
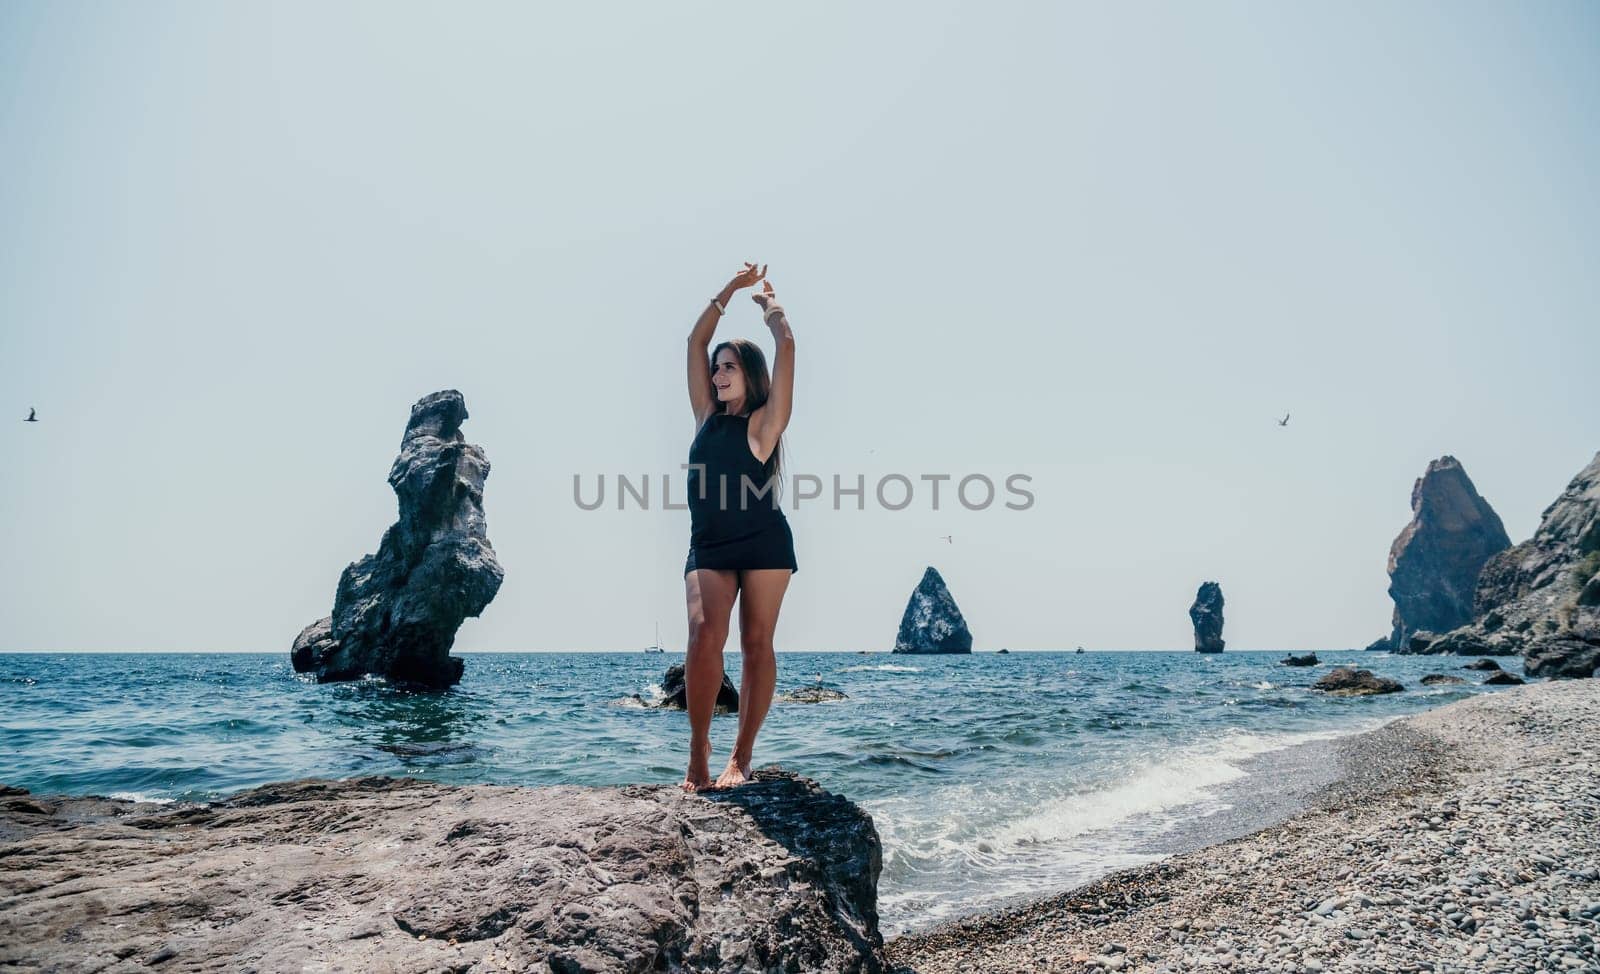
x=1460 y=839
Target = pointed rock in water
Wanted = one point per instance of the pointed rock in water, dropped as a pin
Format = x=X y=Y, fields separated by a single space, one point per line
x=1347 y=682
x=775 y=875
x=1206 y=614
x=675 y=688
x=932 y=623
x=1435 y=560
x=1441 y=679
x=1482 y=664
x=396 y=612
x=1309 y=659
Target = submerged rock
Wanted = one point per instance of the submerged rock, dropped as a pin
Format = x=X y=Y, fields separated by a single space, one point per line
x=1441 y=679
x=812 y=695
x=1307 y=659
x=1206 y=614
x=676 y=692
x=1482 y=664
x=396 y=612
x=932 y=623
x=1435 y=560
x=399 y=874
x=1347 y=682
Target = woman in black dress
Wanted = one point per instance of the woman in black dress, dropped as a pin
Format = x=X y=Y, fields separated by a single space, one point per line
x=740 y=543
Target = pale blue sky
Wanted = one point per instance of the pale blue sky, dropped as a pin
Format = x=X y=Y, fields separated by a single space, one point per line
x=1102 y=245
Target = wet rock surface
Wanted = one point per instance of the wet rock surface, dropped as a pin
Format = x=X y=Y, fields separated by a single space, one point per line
x=1348 y=682
x=676 y=692
x=400 y=874
x=1306 y=659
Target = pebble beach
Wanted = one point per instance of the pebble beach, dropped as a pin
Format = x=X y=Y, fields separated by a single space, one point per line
x=1458 y=839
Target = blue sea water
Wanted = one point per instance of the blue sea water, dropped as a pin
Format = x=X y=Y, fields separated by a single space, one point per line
x=989 y=776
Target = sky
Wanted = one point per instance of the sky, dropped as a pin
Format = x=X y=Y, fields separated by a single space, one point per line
x=1104 y=247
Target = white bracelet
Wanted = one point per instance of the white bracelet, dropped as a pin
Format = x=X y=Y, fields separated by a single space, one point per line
x=774 y=307
x=720 y=309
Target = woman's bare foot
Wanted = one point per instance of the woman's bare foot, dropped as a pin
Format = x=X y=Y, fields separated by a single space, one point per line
x=734 y=775
x=698 y=777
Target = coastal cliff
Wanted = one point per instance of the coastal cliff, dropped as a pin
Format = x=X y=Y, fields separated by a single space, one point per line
x=1541 y=599
x=400 y=874
x=1435 y=560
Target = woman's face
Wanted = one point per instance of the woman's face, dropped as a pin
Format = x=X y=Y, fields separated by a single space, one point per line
x=728 y=377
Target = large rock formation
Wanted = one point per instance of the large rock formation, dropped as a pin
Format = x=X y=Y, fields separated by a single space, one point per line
x=1541 y=598
x=396 y=612
x=932 y=623
x=400 y=874
x=1434 y=563
x=1206 y=614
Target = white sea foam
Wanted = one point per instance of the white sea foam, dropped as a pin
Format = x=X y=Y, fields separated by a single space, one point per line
x=881 y=668
x=1264 y=685
x=139 y=796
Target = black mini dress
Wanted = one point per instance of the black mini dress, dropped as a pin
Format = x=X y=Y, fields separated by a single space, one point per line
x=733 y=524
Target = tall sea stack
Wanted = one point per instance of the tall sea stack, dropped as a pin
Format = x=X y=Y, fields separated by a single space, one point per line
x=1435 y=561
x=1206 y=614
x=396 y=612
x=932 y=623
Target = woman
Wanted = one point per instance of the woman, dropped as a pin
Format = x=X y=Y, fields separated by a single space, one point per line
x=740 y=543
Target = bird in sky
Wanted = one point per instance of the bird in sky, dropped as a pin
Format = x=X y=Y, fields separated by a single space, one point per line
x=1284 y=421
x=948 y=538
x=31 y=417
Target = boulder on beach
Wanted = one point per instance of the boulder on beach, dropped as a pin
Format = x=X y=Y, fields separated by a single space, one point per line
x=396 y=612
x=1206 y=615
x=1348 y=682
x=1504 y=679
x=1306 y=659
x=1435 y=560
x=1441 y=679
x=932 y=623
x=402 y=874
x=676 y=692
x=1562 y=657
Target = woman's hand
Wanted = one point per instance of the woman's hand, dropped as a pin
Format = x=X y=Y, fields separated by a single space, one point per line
x=765 y=298
x=747 y=277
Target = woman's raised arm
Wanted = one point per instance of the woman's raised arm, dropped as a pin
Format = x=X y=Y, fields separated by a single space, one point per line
x=768 y=422
x=700 y=395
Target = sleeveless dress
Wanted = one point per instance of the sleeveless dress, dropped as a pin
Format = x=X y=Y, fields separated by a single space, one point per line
x=721 y=534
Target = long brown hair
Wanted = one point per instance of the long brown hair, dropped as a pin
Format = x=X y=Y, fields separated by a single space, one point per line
x=757 y=387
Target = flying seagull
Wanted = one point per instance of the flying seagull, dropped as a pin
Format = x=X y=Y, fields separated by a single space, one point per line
x=947 y=538
x=31 y=417
x=1284 y=421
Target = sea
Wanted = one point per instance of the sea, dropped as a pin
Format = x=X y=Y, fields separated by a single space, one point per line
x=991 y=778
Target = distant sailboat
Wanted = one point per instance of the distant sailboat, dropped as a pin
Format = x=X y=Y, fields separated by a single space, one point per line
x=656 y=647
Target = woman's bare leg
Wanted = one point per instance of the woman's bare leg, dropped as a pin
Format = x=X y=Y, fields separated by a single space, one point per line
x=710 y=594
x=760 y=597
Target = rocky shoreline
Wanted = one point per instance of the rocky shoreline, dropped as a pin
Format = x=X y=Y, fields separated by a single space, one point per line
x=1460 y=839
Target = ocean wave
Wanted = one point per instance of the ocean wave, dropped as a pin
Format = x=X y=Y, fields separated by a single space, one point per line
x=1187 y=776
x=881 y=668
x=139 y=796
